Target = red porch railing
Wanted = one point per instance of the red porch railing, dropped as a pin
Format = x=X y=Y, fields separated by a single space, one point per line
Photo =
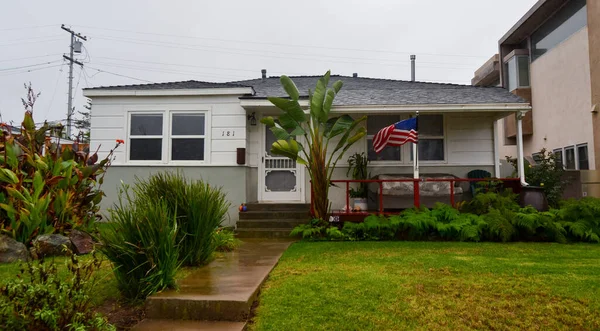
x=416 y=193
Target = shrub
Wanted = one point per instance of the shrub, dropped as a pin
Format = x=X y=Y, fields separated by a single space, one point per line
x=141 y=242
x=44 y=189
x=38 y=299
x=198 y=208
x=225 y=240
x=581 y=218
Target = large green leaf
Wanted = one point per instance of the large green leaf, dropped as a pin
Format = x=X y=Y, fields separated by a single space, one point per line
x=316 y=103
x=285 y=148
x=337 y=86
x=328 y=102
x=289 y=87
x=338 y=125
x=269 y=121
x=290 y=107
x=280 y=133
x=344 y=138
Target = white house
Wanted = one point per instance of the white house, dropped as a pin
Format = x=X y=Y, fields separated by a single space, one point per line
x=212 y=131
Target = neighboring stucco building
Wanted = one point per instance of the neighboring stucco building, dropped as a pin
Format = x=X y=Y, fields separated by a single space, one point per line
x=211 y=131
x=551 y=57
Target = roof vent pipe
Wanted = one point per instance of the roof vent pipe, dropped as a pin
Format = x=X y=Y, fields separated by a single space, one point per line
x=412 y=67
x=264 y=74
x=355 y=75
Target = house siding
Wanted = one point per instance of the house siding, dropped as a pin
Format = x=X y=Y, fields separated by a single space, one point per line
x=232 y=180
x=109 y=118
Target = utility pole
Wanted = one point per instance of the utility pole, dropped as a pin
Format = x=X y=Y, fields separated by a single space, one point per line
x=71 y=60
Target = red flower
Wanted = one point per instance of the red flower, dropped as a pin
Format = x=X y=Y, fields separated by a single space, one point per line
x=120 y=141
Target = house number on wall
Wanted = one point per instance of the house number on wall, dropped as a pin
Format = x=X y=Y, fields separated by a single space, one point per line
x=227 y=133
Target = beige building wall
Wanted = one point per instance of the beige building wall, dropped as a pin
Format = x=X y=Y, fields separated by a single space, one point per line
x=593 y=10
x=561 y=97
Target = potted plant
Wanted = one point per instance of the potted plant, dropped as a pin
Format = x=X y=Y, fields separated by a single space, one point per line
x=357 y=166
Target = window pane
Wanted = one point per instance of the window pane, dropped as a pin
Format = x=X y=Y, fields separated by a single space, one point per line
x=582 y=152
x=557 y=156
x=570 y=158
x=188 y=124
x=145 y=149
x=431 y=125
x=187 y=149
x=523 y=62
x=378 y=122
x=146 y=125
x=511 y=72
x=431 y=149
x=568 y=20
x=390 y=153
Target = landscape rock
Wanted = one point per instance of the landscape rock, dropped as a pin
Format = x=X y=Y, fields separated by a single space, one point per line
x=52 y=245
x=82 y=242
x=12 y=250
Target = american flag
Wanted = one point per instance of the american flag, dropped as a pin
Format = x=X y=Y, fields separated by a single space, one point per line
x=396 y=134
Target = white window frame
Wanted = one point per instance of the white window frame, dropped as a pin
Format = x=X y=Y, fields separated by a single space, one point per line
x=574 y=157
x=167 y=136
x=577 y=166
x=171 y=136
x=405 y=150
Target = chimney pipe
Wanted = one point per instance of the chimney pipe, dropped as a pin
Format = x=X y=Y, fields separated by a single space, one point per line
x=264 y=74
x=355 y=75
x=412 y=67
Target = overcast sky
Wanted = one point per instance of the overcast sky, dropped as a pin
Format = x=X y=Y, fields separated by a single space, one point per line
x=132 y=42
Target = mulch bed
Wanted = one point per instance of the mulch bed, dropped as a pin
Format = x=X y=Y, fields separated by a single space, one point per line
x=122 y=315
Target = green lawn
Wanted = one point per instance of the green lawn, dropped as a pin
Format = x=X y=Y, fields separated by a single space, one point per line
x=432 y=285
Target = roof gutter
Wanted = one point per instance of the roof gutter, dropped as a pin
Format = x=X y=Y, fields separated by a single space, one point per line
x=169 y=92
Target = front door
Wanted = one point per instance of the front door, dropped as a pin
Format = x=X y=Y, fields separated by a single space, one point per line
x=281 y=178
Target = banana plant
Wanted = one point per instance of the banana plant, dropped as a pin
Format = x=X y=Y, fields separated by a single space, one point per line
x=305 y=137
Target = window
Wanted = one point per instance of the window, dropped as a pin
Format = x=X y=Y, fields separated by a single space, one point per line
x=570 y=158
x=565 y=22
x=582 y=157
x=187 y=137
x=145 y=137
x=517 y=71
x=183 y=136
x=558 y=155
x=431 y=138
x=374 y=124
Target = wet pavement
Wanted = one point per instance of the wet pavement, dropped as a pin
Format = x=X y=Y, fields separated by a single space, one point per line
x=224 y=290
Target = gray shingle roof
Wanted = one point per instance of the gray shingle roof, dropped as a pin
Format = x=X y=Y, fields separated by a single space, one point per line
x=189 y=84
x=356 y=90
x=373 y=91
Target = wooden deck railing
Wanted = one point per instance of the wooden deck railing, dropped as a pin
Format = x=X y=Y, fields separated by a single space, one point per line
x=416 y=192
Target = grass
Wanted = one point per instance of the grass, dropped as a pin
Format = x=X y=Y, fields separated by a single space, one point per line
x=432 y=285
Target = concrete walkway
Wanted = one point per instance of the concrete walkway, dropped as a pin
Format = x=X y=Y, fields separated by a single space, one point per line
x=224 y=290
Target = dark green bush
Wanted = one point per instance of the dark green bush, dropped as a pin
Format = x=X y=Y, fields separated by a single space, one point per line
x=500 y=219
x=39 y=299
x=141 y=242
x=225 y=240
x=199 y=209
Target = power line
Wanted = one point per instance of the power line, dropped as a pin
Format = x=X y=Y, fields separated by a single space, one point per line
x=28 y=66
x=27 y=71
x=31 y=42
x=54 y=92
x=169 y=71
x=31 y=38
x=29 y=57
x=285 y=45
x=112 y=73
x=28 y=27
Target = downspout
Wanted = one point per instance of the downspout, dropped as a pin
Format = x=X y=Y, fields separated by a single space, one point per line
x=520 y=158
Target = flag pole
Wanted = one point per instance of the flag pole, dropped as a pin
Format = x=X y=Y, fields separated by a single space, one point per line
x=416 y=153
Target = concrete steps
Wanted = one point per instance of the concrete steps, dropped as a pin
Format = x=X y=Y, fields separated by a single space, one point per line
x=218 y=296
x=271 y=220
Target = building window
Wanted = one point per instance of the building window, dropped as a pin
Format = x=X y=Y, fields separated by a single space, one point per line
x=569 y=158
x=517 y=71
x=374 y=124
x=565 y=22
x=431 y=138
x=558 y=155
x=187 y=137
x=183 y=135
x=145 y=137
x=582 y=157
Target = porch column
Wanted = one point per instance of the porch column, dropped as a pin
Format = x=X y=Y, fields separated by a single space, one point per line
x=496 y=151
x=520 y=162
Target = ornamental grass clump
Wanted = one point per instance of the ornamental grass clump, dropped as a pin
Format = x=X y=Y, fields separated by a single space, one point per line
x=198 y=208
x=141 y=242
